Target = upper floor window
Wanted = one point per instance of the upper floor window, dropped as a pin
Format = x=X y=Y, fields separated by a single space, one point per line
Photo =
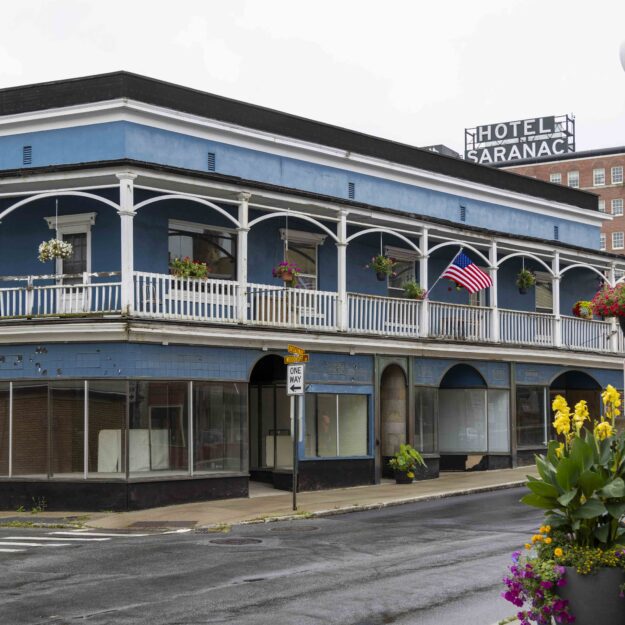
x=617 y=207
x=573 y=179
x=405 y=270
x=602 y=206
x=556 y=178
x=544 y=292
x=301 y=248
x=602 y=241
x=217 y=247
x=617 y=240
x=598 y=177
x=617 y=174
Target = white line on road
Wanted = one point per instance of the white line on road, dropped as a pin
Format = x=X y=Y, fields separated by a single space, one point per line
x=84 y=540
x=4 y=543
x=97 y=534
x=11 y=550
x=182 y=531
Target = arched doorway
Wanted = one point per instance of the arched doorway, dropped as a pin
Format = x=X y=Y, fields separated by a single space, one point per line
x=270 y=428
x=393 y=412
x=462 y=418
x=575 y=386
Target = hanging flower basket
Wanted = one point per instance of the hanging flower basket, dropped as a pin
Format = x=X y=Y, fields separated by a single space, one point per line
x=286 y=271
x=53 y=249
x=383 y=266
x=583 y=309
x=610 y=302
x=524 y=280
x=413 y=290
x=187 y=268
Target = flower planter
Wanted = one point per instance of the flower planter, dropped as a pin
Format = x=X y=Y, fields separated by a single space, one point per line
x=401 y=477
x=594 y=598
x=287 y=276
x=522 y=290
x=380 y=275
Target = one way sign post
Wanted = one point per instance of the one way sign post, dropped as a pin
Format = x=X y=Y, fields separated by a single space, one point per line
x=295 y=379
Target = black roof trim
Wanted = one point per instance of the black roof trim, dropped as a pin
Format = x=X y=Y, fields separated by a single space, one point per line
x=62 y=93
x=569 y=156
x=252 y=184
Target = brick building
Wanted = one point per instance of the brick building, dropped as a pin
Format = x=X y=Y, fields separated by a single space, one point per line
x=597 y=171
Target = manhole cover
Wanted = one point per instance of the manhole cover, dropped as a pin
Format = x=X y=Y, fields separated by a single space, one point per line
x=160 y=524
x=295 y=528
x=236 y=541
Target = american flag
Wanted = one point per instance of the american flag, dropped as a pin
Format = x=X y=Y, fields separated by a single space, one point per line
x=467 y=274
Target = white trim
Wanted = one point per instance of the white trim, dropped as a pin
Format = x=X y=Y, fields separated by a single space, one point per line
x=123 y=109
x=400 y=253
x=198 y=228
x=72 y=224
x=302 y=237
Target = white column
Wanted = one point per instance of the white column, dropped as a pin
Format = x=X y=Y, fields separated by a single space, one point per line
x=341 y=252
x=243 y=229
x=555 y=281
x=492 y=293
x=614 y=328
x=126 y=215
x=424 y=318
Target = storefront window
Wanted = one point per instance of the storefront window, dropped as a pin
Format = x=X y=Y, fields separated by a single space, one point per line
x=67 y=431
x=219 y=426
x=30 y=429
x=530 y=408
x=107 y=428
x=426 y=417
x=4 y=428
x=498 y=420
x=336 y=425
x=158 y=436
x=462 y=420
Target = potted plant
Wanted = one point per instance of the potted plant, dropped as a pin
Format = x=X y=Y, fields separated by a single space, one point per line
x=286 y=271
x=187 y=268
x=583 y=309
x=524 y=280
x=610 y=302
x=53 y=249
x=383 y=266
x=575 y=564
x=413 y=290
x=405 y=463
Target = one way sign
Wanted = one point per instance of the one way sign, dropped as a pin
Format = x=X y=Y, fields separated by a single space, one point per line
x=295 y=379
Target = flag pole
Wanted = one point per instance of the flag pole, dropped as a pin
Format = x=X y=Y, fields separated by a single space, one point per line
x=442 y=272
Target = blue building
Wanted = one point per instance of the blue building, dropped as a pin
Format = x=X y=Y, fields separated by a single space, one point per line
x=123 y=385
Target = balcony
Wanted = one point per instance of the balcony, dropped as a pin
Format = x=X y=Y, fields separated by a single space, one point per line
x=165 y=297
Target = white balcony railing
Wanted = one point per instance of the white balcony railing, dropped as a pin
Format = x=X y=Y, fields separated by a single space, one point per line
x=389 y=316
x=291 y=308
x=66 y=294
x=460 y=323
x=164 y=296
x=586 y=334
x=526 y=328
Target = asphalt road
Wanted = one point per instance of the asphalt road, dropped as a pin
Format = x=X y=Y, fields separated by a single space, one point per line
x=433 y=563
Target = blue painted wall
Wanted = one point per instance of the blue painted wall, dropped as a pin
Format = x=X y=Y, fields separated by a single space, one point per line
x=430 y=371
x=122 y=139
x=543 y=375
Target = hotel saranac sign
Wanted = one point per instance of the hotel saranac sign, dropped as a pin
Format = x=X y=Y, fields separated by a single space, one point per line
x=525 y=138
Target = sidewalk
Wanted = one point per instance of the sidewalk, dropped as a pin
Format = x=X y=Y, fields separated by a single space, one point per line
x=267 y=504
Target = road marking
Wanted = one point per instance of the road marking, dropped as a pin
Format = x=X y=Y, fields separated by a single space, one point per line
x=183 y=531
x=4 y=543
x=86 y=540
x=11 y=550
x=97 y=534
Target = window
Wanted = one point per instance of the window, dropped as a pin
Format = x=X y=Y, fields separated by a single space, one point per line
x=617 y=175
x=214 y=246
x=404 y=269
x=544 y=292
x=602 y=241
x=301 y=249
x=601 y=206
x=531 y=423
x=573 y=179
x=598 y=177
x=555 y=178
x=617 y=207
x=617 y=240
x=426 y=417
x=336 y=425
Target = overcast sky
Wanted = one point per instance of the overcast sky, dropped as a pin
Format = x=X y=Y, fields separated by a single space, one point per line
x=414 y=71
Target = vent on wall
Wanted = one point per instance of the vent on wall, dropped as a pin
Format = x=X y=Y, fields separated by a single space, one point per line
x=351 y=190
x=556 y=233
x=27 y=155
x=463 y=212
x=211 y=161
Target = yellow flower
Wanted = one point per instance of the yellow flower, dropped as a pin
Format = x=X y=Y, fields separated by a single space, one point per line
x=562 y=422
x=410 y=474
x=581 y=414
x=528 y=546
x=541 y=529
x=559 y=404
x=548 y=540
x=536 y=538
x=557 y=552
x=547 y=528
x=603 y=430
x=560 y=450
x=611 y=396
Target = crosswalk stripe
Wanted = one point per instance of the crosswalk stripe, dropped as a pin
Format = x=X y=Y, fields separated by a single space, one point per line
x=97 y=534
x=84 y=540
x=4 y=543
x=11 y=550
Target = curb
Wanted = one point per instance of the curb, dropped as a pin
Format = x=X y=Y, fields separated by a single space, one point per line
x=374 y=506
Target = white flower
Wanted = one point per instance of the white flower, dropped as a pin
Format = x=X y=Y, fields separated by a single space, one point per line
x=54 y=248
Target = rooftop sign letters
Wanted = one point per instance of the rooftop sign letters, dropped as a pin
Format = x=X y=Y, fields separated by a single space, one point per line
x=524 y=138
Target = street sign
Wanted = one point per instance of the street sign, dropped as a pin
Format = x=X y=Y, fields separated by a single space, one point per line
x=295 y=379
x=293 y=349
x=295 y=358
